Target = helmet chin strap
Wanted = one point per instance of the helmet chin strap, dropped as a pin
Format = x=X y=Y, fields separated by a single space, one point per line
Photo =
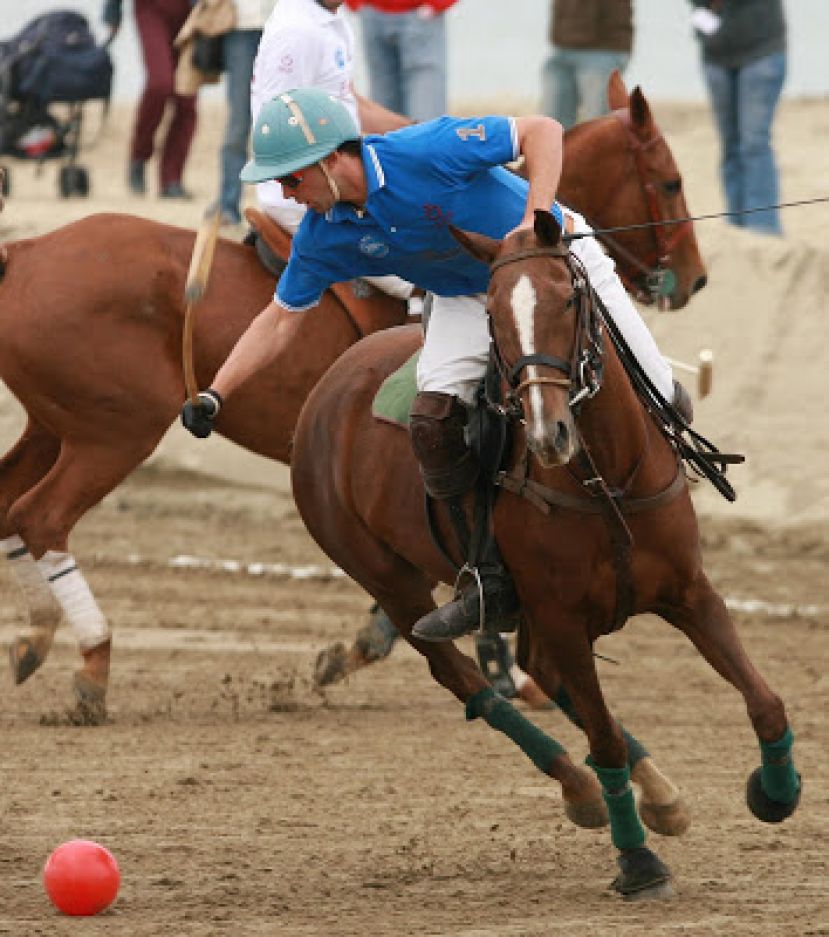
x=335 y=189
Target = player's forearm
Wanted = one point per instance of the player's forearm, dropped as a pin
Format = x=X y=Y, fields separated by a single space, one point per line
x=374 y=118
x=541 y=141
x=264 y=341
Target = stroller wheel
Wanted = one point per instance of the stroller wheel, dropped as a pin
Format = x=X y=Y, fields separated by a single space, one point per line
x=73 y=180
x=5 y=180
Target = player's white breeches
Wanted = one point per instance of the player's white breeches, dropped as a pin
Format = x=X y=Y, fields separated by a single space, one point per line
x=289 y=213
x=456 y=348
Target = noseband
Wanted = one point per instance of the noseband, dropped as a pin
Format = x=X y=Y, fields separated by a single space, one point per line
x=583 y=372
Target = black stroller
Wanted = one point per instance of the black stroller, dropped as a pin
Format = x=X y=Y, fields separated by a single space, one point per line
x=53 y=60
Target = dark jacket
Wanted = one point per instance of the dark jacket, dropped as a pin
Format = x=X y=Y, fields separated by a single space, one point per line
x=749 y=30
x=592 y=24
x=112 y=12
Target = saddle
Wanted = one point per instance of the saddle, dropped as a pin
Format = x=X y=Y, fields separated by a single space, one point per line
x=367 y=313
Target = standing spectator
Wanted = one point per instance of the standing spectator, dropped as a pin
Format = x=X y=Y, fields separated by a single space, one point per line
x=405 y=50
x=590 y=39
x=743 y=45
x=240 y=46
x=309 y=44
x=158 y=22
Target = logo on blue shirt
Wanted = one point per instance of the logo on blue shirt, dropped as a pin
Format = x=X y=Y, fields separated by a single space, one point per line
x=373 y=246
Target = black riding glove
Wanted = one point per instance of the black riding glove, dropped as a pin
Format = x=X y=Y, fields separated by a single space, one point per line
x=199 y=417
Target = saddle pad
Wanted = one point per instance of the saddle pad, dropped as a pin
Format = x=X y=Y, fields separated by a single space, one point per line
x=394 y=399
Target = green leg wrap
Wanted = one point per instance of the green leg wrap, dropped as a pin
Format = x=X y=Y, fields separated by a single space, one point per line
x=626 y=830
x=636 y=750
x=777 y=777
x=503 y=716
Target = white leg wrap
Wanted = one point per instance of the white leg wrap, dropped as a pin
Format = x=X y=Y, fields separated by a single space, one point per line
x=602 y=273
x=75 y=597
x=519 y=678
x=44 y=613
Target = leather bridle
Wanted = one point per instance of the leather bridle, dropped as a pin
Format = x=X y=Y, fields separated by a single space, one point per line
x=653 y=278
x=583 y=372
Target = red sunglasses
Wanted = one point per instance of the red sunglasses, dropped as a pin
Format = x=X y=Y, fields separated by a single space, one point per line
x=292 y=180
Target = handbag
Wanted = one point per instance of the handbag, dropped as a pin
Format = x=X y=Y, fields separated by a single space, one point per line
x=201 y=44
x=212 y=17
x=208 y=54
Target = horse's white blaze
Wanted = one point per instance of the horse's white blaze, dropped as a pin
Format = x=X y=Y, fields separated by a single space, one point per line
x=523 y=310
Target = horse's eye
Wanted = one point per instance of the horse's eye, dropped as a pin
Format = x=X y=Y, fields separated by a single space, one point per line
x=674 y=187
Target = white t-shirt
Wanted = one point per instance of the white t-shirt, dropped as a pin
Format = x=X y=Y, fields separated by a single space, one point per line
x=252 y=14
x=303 y=46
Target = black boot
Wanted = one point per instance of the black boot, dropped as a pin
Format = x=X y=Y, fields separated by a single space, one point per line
x=463 y=614
x=449 y=471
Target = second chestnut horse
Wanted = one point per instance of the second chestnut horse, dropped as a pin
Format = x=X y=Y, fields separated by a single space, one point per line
x=90 y=344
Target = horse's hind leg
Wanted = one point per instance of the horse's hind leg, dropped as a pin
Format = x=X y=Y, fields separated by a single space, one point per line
x=773 y=790
x=372 y=643
x=20 y=470
x=44 y=516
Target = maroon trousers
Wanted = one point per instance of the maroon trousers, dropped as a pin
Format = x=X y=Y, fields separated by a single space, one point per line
x=158 y=23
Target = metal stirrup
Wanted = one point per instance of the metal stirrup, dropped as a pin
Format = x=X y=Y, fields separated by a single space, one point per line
x=466 y=569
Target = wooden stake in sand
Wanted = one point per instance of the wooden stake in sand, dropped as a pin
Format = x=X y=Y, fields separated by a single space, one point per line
x=704 y=371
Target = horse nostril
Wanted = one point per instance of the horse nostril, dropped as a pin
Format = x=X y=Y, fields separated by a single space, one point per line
x=699 y=284
x=562 y=437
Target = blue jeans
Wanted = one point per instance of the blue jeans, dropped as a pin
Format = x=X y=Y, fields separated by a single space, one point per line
x=406 y=58
x=743 y=101
x=574 y=83
x=240 y=47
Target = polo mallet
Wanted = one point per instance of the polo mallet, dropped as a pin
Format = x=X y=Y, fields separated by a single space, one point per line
x=704 y=371
x=194 y=290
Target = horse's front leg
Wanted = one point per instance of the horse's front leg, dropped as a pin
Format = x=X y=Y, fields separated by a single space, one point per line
x=460 y=675
x=563 y=647
x=773 y=789
x=662 y=806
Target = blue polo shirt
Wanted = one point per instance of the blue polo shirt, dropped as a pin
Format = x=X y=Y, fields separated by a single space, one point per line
x=420 y=180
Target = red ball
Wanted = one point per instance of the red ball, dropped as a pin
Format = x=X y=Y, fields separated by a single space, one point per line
x=81 y=877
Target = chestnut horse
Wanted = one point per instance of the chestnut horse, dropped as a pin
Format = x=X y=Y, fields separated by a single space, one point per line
x=91 y=320
x=573 y=439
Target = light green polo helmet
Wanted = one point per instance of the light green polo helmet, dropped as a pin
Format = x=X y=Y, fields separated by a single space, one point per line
x=296 y=130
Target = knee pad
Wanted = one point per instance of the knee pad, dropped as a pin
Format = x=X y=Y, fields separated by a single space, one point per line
x=436 y=424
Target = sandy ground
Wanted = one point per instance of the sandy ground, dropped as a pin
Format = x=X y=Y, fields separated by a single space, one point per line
x=238 y=800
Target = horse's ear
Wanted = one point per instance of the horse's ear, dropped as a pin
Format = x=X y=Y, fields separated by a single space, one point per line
x=481 y=247
x=617 y=93
x=546 y=228
x=640 y=112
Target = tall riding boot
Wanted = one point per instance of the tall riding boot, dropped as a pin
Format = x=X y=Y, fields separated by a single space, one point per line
x=449 y=471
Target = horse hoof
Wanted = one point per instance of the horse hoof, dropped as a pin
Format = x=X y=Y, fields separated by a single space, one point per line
x=643 y=876
x=762 y=806
x=24 y=659
x=592 y=815
x=90 y=702
x=666 y=819
x=330 y=666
